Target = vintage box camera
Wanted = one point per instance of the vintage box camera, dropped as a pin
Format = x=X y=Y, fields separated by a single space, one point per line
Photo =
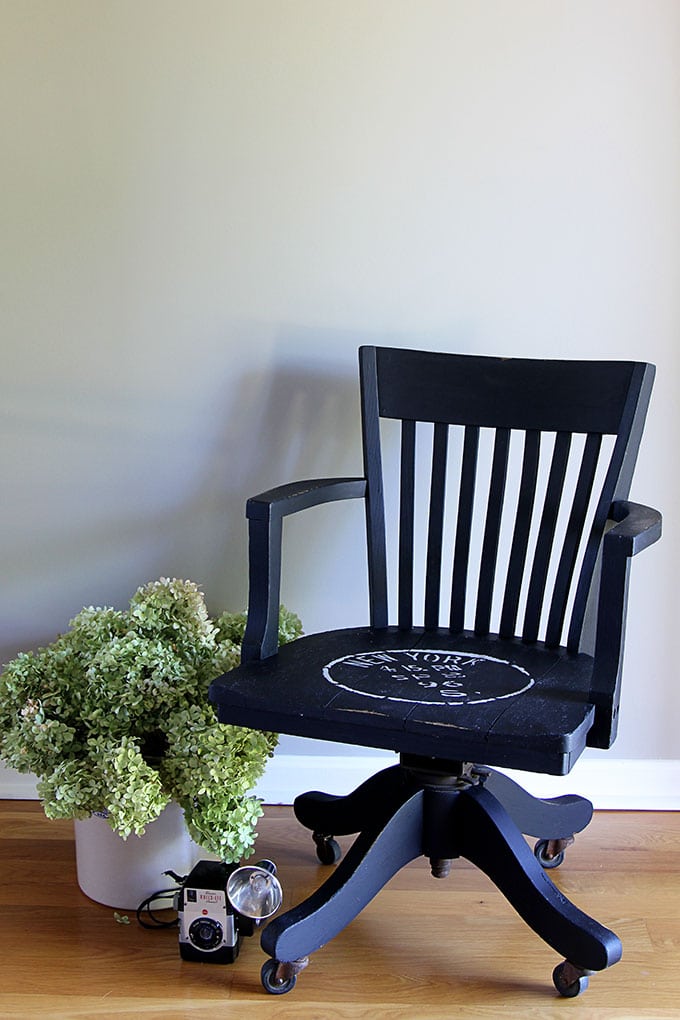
x=220 y=902
x=208 y=930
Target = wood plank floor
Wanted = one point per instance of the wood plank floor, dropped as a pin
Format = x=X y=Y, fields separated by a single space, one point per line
x=422 y=950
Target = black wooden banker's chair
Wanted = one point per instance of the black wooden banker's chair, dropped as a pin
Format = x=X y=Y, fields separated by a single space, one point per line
x=519 y=665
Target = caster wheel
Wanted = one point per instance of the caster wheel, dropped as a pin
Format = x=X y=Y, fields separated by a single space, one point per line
x=540 y=853
x=327 y=849
x=568 y=982
x=269 y=981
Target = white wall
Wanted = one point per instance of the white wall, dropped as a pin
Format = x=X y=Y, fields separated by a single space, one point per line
x=207 y=206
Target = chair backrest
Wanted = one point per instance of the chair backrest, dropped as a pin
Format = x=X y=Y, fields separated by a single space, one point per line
x=520 y=461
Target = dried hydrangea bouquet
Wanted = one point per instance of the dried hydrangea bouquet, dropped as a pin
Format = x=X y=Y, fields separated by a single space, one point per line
x=114 y=717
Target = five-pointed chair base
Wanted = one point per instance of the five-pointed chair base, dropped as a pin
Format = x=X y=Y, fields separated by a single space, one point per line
x=442 y=810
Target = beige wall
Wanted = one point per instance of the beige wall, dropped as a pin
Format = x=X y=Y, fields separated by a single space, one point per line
x=206 y=207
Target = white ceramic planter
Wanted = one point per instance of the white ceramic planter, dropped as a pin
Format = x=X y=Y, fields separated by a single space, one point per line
x=122 y=873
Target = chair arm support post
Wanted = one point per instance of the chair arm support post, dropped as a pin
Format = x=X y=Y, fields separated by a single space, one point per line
x=265 y=513
x=260 y=639
x=636 y=528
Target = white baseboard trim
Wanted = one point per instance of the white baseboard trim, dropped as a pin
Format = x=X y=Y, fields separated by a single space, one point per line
x=17 y=786
x=610 y=783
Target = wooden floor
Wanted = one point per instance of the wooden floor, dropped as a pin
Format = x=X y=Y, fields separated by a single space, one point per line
x=422 y=950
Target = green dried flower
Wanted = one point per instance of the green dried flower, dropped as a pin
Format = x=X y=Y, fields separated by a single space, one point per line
x=114 y=716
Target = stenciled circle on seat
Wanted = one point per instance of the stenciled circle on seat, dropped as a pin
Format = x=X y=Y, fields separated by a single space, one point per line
x=428 y=676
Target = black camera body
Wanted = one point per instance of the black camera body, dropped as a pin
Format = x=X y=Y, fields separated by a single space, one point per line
x=209 y=927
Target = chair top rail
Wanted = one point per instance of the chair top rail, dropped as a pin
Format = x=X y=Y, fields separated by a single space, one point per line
x=517 y=393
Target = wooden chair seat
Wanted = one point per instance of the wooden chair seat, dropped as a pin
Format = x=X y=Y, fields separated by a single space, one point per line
x=463 y=697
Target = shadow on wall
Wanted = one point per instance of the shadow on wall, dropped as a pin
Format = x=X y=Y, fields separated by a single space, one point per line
x=140 y=496
x=293 y=423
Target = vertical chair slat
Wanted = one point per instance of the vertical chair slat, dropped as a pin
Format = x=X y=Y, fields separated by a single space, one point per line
x=492 y=528
x=466 y=499
x=577 y=519
x=406 y=523
x=520 y=538
x=435 y=526
x=546 y=534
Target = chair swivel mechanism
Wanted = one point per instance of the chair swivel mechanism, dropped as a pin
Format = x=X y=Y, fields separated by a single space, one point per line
x=505 y=654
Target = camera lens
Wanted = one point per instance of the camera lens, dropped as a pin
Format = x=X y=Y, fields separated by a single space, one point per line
x=206 y=933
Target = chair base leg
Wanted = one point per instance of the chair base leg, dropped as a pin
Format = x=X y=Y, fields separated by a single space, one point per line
x=376 y=855
x=343 y=816
x=487 y=836
x=557 y=818
x=404 y=812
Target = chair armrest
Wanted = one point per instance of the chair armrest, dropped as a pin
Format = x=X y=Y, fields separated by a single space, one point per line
x=265 y=513
x=637 y=528
x=295 y=496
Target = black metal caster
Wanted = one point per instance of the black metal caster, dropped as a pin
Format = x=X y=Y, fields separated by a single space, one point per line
x=272 y=984
x=569 y=981
x=327 y=849
x=550 y=852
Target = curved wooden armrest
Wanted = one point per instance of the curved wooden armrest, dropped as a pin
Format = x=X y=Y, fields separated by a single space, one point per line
x=265 y=513
x=294 y=496
x=637 y=528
